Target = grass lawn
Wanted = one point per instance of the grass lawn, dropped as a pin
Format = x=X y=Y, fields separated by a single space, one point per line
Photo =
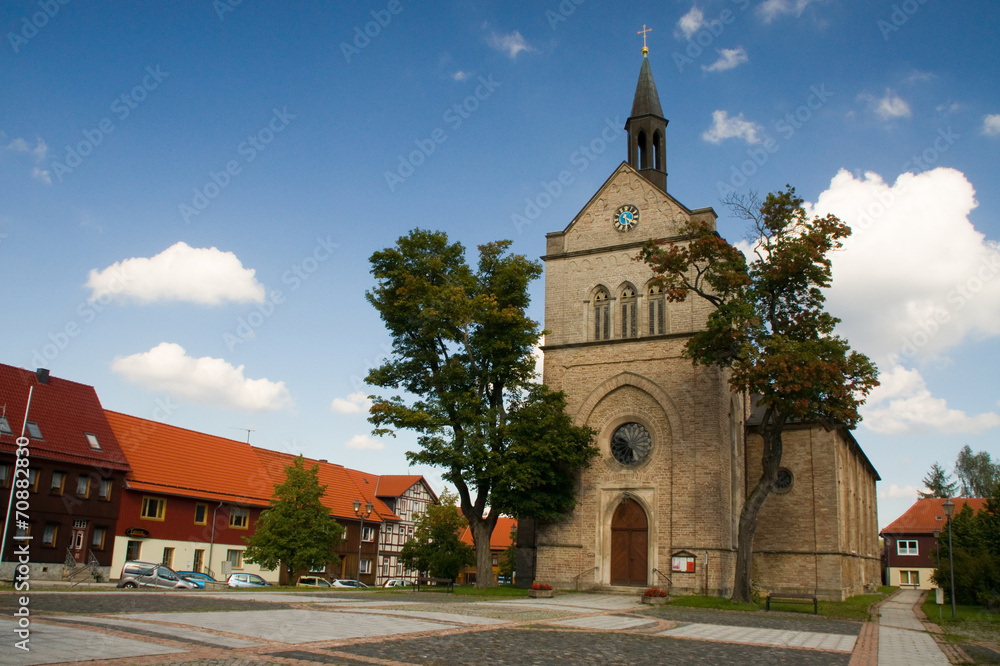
x=854 y=608
x=972 y=623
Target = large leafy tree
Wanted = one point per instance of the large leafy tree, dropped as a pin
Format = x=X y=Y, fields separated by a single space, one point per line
x=938 y=484
x=436 y=547
x=976 y=543
x=977 y=472
x=462 y=349
x=769 y=328
x=296 y=532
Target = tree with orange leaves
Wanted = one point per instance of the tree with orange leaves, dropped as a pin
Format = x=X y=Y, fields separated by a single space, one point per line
x=769 y=328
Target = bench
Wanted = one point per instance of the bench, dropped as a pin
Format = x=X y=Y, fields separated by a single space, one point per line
x=436 y=581
x=793 y=598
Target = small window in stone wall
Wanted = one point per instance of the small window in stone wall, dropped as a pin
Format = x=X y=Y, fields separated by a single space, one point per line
x=784 y=482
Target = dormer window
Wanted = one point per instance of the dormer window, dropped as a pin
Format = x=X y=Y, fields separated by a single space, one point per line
x=34 y=431
x=5 y=426
x=92 y=440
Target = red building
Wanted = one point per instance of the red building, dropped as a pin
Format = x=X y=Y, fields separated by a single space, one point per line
x=66 y=503
x=910 y=541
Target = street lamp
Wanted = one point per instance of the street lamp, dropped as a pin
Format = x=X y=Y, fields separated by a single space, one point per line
x=949 y=509
x=361 y=534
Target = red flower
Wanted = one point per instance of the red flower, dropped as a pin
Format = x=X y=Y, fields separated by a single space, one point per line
x=541 y=586
x=654 y=592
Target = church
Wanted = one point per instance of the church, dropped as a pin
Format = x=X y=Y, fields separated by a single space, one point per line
x=660 y=506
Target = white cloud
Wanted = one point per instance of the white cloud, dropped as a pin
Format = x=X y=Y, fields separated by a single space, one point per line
x=769 y=10
x=206 y=380
x=42 y=175
x=355 y=404
x=180 y=273
x=723 y=127
x=916 y=278
x=903 y=404
x=899 y=492
x=460 y=76
x=889 y=106
x=511 y=44
x=991 y=124
x=364 y=443
x=690 y=23
x=728 y=59
x=38 y=152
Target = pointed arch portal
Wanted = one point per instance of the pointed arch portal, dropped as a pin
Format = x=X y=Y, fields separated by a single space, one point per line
x=629 y=544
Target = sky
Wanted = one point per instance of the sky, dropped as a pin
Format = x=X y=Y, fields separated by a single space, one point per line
x=190 y=191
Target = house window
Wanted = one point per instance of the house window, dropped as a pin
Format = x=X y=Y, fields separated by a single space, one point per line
x=23 y=530
x=79 y=524
x=368 y=533
x=34 y=431
x=5 y=426
x=97 y=538
x=238 y=518
x=630 y=328
x=49 y=536
x=82 y=486
x=92 y=440
x=366 y=566
x=906 y=548
x=235 y=558
x=602 y=315
x=33 y=480
x=168 y=557
x=495 y=560
x=132 y=549
x=909 y=578
x=153 y=508
x=104 y=491
x=6 y=473
x=58 y=481
x=657 y=315
x=200 y=514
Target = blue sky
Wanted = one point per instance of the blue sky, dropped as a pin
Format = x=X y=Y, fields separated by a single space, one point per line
x=190 y=191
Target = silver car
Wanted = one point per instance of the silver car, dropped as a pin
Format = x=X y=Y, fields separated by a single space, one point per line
x=149 y=574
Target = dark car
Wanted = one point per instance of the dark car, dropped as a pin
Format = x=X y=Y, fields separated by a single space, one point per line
x=198 y=578
x=149 y=574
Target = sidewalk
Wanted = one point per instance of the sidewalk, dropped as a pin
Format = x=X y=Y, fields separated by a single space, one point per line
x=902 y=638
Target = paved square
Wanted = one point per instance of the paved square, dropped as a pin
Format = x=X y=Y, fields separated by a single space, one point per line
x=50 y=644
x=759 y=636
x=616 y=622
x=168 y=632
x=297 y=626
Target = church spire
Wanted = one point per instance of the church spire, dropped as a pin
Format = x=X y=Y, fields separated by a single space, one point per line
x=647 y=127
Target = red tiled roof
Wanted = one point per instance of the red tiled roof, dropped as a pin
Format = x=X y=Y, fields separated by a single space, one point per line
x=927 y=515
x=64 y=411
x=500 y=539
x=394 y=485
x=176 y=461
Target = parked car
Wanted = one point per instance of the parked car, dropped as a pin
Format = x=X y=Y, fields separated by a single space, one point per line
x=198 y=578
x=313 y=581
x=150 y=574
x=246 y=580
x=395 y=582
x=348 y=582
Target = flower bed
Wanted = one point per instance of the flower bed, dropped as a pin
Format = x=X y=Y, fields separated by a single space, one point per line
x=540 y=591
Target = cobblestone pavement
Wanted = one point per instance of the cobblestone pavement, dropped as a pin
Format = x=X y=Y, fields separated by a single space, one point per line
x=132 y=627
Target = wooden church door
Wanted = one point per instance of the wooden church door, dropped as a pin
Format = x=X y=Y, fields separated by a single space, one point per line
x=629 y=541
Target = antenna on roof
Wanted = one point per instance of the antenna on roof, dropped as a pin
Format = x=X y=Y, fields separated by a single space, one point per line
x=249 y=430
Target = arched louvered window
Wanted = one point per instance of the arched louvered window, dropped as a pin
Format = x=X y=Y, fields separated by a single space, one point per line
x=657 y=312
x=602 y=315
x=630 y=324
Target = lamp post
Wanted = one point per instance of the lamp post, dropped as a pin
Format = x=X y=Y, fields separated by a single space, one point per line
x=938 y=593
x=361 y=534
x=949 y=509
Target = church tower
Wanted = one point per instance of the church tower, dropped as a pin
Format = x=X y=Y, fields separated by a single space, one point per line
x=660 y=506
x=646 y=128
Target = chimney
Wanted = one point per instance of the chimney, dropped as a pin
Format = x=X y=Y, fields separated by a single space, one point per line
x=42 y=375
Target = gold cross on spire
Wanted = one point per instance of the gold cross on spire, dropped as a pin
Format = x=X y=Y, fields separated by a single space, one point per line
x=645 y=49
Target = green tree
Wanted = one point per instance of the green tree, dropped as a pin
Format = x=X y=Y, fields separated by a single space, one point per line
x=296 y=532
x=938 y=484
x=977 y=472
x=976 y=543
x=462 y=348
x=769 y=328
x=436 y=547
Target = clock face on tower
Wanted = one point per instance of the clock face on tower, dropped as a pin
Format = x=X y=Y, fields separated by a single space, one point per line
x=626 y=217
